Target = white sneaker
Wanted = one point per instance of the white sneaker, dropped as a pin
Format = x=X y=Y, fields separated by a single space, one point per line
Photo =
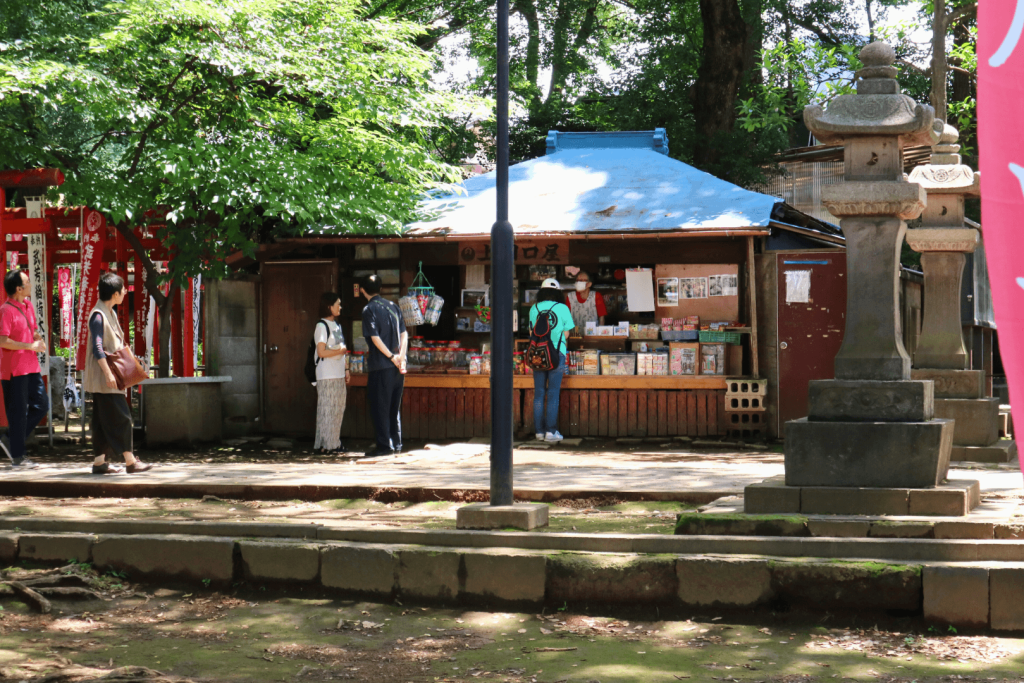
x=553 y=437
x=540 y=436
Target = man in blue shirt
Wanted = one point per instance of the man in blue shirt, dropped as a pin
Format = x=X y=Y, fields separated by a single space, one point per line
x=388 y=340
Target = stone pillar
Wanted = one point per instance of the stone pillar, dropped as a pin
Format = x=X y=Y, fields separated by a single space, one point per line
x=941 y=356
x=872 y=426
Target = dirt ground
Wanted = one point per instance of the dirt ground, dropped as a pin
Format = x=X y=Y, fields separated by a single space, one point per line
x=152 y=632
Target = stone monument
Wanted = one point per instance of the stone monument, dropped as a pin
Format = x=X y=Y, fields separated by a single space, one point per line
x=872 y=428
x=943 y=240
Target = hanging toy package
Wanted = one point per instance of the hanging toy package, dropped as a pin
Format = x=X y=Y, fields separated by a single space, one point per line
x=433 y=312
x=421 y=295
x=411 y=313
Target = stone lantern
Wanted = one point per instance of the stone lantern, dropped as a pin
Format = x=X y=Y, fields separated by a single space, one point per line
x=943 y=240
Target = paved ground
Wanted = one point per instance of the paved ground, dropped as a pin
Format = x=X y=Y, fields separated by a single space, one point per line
x=671 y=470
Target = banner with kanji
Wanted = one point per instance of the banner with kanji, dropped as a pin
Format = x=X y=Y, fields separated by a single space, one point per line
x=1001 y=152
x=94 y=234
x=66 y=297
x=39 y=294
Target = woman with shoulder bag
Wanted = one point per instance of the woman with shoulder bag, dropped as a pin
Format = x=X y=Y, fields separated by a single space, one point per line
x=550 y=301
x=111 y=417
x=331 y=377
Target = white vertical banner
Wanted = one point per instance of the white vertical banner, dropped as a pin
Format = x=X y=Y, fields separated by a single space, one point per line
x=150 y=327
x=196 y=300
x=37 y=271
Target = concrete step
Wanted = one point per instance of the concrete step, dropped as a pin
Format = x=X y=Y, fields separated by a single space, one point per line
x=965 y=594
x=884 y=549
x=1003 y=450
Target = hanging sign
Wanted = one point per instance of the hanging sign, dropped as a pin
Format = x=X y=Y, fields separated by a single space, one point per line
x=94 y=234
x=37 y=273
x=525 y=252
x=1000 y=74
x=140 y=313
x=66 y=296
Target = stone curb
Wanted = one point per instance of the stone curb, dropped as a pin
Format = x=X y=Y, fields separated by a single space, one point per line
x=957 y=593
x=897 y=548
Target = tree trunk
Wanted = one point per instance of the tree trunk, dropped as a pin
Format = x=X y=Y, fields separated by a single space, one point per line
x=719 y=76
x=939 y=67
x=164 y=368
x=754 y=44
x=963 y=84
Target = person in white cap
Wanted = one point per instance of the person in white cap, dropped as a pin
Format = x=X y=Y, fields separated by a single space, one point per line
x=547 y=385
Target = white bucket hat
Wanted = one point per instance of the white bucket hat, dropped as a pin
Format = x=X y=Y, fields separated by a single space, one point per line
x=550 y=283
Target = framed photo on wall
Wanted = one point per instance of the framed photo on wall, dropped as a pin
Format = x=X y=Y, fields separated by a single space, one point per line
x=668 y=291
x=474 y=297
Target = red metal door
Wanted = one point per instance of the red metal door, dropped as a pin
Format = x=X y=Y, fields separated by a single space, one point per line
x=291 y=297
x=812 y=320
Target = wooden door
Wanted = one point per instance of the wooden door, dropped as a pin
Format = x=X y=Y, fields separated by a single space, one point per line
x=291 y=297
x=812 y=320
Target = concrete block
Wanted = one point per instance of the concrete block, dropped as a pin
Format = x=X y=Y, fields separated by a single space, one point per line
x=430 y=573
x=236 y=321
x=619 y=579
x=977 y=419
x=876 y=454
x=185 y=412
x=949 y=501
x=363 y=568
x=725 y=582
x=241 y=293
x=866 y=401
x=51 y=547
x=171 y=556
x=8 y=546
x=486 y=516
x=832 y=500
x=900 y=530
x=771 y=496
x=956 y=595
x=239 y=350
x=505 y=575
x=975 y=530
x=1006 y=586
x=280 y=561
x=1003 y=450
x=954 y=383
x=244 y=379
x=695 y=523
x=826 y=528
x=851 y=585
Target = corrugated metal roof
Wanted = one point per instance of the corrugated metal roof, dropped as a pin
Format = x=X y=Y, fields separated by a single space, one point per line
x=601 y=182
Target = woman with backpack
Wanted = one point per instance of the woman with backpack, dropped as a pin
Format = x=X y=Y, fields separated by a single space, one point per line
x=330 y=376
x=547 y=350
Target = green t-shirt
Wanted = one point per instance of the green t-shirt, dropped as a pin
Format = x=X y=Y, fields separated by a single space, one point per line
x=563 y=324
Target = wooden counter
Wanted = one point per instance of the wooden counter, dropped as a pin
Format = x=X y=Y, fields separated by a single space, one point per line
x=569 y=382
x=459 y=406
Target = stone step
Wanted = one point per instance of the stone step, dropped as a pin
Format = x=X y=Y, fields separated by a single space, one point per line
x=964 y=594
x=1003 y=450
x=953 y=498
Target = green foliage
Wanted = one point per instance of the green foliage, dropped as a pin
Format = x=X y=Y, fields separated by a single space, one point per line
x=243 y=119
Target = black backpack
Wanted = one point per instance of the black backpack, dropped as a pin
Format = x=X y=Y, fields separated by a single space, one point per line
x=542 y=353
x=311 y=361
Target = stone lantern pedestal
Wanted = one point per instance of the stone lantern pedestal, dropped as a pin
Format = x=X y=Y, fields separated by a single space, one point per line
x=943 y=240
x=871 y=433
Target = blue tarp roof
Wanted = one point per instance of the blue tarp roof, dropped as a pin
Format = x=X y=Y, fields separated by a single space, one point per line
x=601 y=182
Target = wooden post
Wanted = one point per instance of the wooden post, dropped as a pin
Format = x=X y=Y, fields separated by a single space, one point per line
x=752 y=295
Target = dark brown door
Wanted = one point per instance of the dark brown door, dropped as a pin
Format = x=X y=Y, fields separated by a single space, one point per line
x=812 y=320
x=291 y=296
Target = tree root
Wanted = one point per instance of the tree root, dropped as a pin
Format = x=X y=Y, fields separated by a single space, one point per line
x=71 y=592
x=125 y=674
x=30 y=596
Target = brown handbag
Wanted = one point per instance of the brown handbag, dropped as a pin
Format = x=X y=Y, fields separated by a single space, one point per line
x=126 y=368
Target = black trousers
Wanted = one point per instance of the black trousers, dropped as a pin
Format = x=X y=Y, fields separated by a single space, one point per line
x=26 y=404
x=384 y=399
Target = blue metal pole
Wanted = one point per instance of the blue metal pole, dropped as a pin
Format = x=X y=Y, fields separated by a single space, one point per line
x=502 y=273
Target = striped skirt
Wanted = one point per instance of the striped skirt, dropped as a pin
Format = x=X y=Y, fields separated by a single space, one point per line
x=330 y=411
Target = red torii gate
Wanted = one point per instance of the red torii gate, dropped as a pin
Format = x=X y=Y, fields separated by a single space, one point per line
x=56 y=224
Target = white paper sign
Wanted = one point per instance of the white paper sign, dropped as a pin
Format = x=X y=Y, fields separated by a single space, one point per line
x=37 y=271
x=640 y=290
x=798 y=286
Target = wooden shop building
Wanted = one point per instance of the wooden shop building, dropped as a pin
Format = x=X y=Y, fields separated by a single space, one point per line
x=648 y=230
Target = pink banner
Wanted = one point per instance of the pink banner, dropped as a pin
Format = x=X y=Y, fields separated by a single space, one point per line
x=66 y=296
x=1001 y=150
x=94 y=235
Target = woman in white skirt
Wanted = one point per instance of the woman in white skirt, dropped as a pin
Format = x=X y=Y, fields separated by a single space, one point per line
x=330 y=376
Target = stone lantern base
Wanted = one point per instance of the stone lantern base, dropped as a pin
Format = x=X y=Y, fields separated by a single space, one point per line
x=960 y=396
